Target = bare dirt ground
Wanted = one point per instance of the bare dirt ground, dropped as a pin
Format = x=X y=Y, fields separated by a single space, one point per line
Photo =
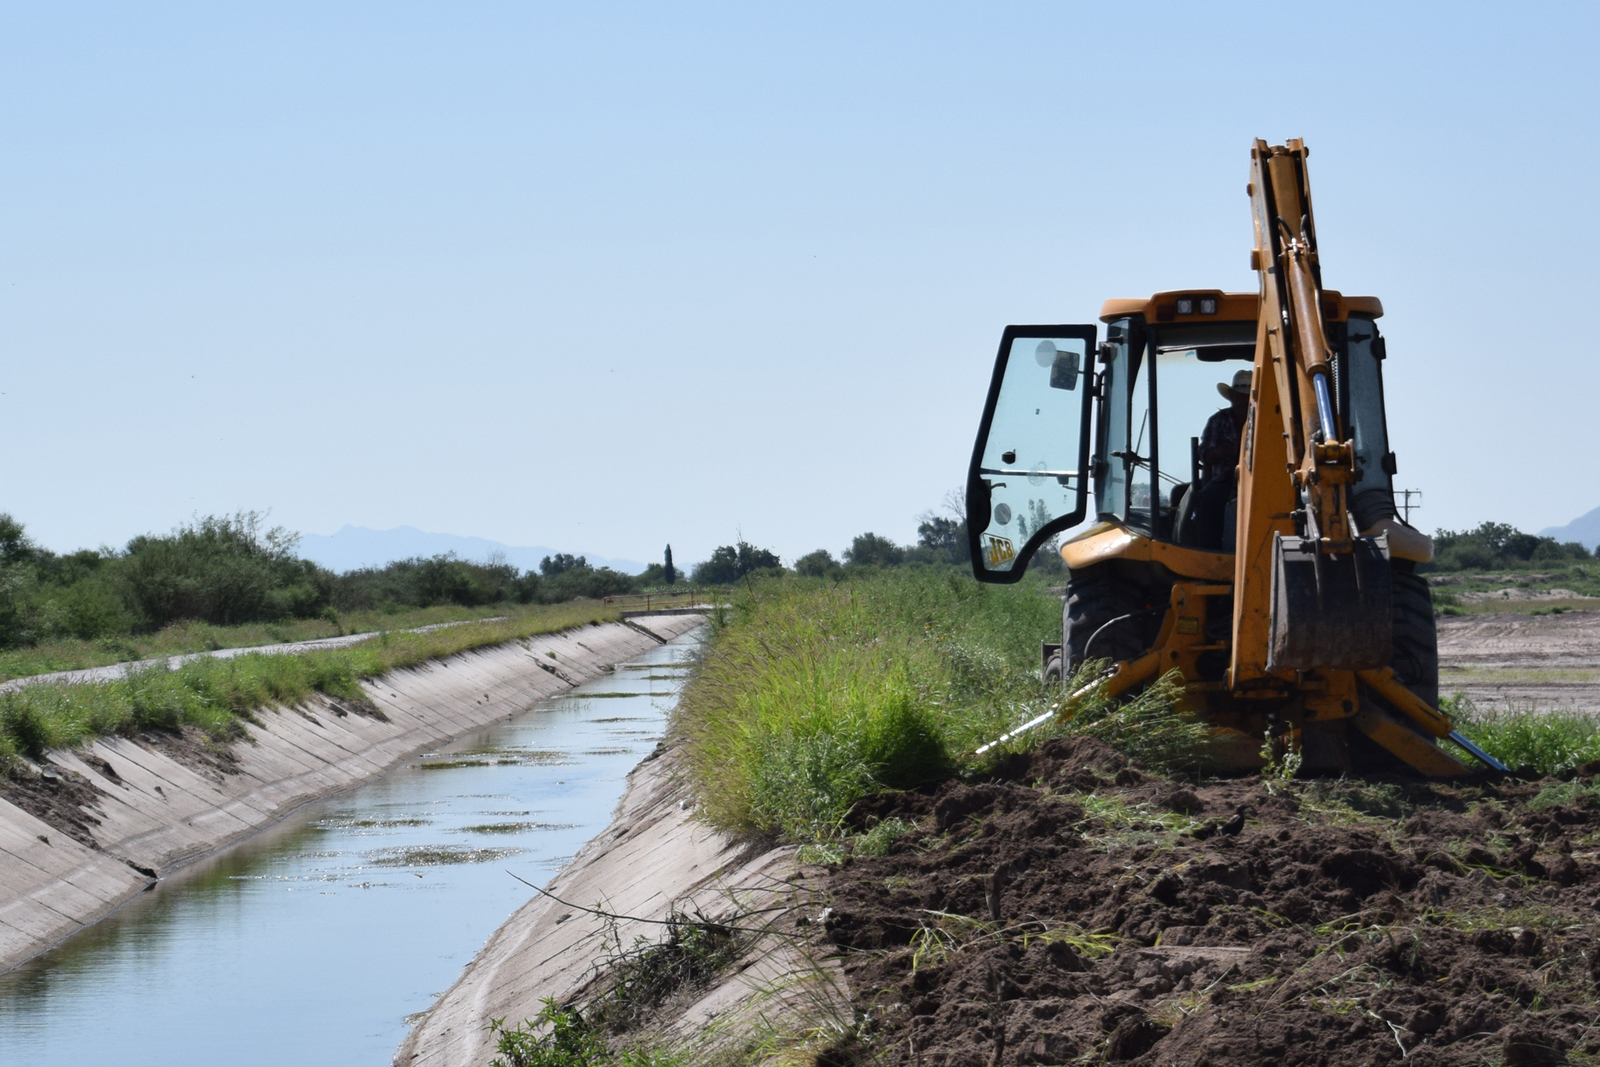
x=1518 y=660
x=1078 y=910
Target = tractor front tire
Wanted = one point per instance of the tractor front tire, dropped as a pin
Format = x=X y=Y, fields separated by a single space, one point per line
x=1101 y=603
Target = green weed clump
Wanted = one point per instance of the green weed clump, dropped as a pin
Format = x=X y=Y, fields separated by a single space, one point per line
x=811 y=694
x=1546 y=742
x=881 y=838
x=556 y=1037
x=1148 y=727
x=216 y=694
x=562 y=1037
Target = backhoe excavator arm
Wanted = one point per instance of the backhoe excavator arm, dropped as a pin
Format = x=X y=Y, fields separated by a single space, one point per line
x=1291 y=312
x=1311 y=593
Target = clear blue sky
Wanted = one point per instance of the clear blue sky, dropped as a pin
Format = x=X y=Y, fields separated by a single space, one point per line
x=604 y=276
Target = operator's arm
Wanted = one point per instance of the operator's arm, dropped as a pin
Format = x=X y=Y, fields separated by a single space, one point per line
x=1219 y=444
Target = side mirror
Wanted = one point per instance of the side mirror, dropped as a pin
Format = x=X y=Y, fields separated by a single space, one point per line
x=1063 y=365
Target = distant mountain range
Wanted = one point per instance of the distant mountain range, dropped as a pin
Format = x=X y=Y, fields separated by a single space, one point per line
x=353 y=547
x=1585 y=529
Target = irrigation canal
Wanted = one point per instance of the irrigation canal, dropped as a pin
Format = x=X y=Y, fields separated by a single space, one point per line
x=312 y=943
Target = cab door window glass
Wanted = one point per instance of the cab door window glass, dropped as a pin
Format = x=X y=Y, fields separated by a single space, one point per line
x=1026 y=481
x=1112 y=490
x=1191 y=384
x=1140 y=453
x=1372 y=496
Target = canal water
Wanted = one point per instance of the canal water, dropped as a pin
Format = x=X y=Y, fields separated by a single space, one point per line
x=312 y=943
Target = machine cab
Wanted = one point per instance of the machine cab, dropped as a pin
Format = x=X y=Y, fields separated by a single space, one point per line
x=1144 y=396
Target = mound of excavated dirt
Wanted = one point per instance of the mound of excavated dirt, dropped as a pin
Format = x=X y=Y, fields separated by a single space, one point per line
x=1076 y=909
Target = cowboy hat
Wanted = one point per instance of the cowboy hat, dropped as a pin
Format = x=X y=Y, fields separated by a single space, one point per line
x=1241 y=384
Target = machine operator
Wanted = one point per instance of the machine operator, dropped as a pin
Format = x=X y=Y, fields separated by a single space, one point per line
x=1219 y=464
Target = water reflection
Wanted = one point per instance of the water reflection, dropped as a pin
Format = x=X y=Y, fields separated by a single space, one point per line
x=312 y=943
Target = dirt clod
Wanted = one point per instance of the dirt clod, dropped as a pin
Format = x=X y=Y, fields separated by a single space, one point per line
x=1183 y=800
x=1526 y=1046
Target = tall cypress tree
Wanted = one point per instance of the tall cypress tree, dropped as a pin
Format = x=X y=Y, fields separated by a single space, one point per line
x=671 y=571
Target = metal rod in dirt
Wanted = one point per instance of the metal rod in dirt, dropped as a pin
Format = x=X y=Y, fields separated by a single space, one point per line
x=1455 y=735
x=1018 y=732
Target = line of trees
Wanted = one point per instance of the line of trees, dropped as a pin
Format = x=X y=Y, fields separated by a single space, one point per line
x=224 y=570
x=448 y=579
x=941 y=541
x=228 y=570
x=1499 y=546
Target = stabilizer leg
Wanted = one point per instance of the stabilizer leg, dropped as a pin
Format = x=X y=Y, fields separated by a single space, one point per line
x=1417 y=751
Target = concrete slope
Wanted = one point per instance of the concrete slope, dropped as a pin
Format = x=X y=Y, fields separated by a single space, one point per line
x=654 y=858
x=156 y=813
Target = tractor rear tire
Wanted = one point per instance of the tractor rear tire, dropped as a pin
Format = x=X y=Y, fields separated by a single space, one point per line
x=1415 y=660
x=1416 y=636
x=1096 y=604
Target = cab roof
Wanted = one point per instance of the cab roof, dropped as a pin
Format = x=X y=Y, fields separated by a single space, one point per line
x=1225 y=307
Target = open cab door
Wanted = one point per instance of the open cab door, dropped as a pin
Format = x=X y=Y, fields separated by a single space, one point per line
x=1029 y=475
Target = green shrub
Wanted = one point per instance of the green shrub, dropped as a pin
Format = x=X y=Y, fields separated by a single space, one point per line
x=592 y=583
x=1149 y=727
x=873 y=550
x=881 y=838
x=221 y=569
x=88 y=608
x=811 y=695
x=229 y=571
x=556 y=1037
x=25 y=726
x=442 y=579
x=818 y=564
x=562 y=1037
x=730 y=563
x=1546 y=742
x=1558 y=794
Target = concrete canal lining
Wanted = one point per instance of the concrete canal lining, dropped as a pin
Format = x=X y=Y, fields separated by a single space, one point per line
x=654 y=859
x=155 y=812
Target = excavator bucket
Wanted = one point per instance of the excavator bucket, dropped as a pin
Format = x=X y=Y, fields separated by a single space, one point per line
x=1330 y=610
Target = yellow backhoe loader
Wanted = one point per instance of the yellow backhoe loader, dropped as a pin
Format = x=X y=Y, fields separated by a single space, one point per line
x=1253 y=548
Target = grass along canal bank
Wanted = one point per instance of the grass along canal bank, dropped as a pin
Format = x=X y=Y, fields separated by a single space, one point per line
x=216 y=694
x=192 y=636
x=138 y=777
